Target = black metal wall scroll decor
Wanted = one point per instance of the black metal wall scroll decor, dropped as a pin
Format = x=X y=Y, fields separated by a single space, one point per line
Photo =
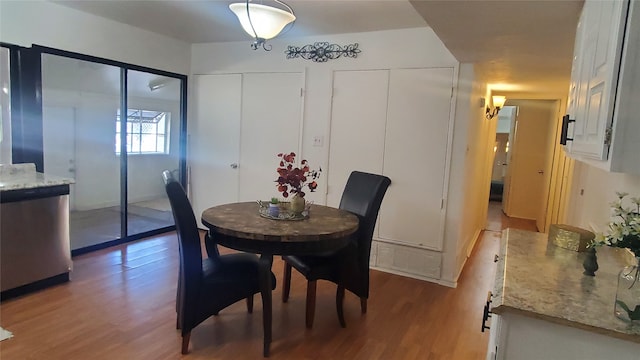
x=322 y=51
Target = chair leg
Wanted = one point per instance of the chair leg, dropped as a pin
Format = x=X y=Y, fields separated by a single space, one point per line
x=363 y=304
x=185 y=343
x=311 y=303
x=286 y=285
x=250 y=304
x=339 y=307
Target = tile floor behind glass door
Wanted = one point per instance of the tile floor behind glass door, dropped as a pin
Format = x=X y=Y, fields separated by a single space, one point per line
x=92 y=227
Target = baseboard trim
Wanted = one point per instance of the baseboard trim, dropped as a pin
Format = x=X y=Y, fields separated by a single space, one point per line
x=34 y=286
x=416 y=276
x=107 y=244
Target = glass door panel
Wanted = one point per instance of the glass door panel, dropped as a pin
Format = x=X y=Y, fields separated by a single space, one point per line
x=153 y=145
x=80 y=102
x=5 y=107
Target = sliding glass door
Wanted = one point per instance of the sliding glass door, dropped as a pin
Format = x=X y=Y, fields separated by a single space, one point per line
x=79 y=104
x=152 y=136
x=113 y=128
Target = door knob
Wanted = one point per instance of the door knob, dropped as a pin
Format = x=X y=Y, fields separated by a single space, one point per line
x=234 y=166
x=540 y=172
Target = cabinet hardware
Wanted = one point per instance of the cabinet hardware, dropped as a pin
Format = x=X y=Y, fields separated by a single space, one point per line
x=495 y=259
x=486 y=313
x=565 y=130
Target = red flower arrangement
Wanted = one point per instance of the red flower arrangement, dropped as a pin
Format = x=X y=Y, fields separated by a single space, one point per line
x=291 y=180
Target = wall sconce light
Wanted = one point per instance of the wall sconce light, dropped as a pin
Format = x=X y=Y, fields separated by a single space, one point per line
x=498 y=103
x=262 y=22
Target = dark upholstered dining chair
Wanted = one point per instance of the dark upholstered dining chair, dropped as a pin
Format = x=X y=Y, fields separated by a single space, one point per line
x=206 y=286
x=349 y=267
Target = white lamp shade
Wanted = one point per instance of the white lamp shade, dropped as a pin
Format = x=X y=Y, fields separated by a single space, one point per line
x=498 y=101
x=267 y=21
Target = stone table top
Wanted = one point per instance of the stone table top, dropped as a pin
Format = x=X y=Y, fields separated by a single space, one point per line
x=24 y=176
x=244 y=229
x=538 y=279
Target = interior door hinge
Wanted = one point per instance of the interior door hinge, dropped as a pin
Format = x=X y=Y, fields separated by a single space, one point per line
x=607 y=136
x=441 y=204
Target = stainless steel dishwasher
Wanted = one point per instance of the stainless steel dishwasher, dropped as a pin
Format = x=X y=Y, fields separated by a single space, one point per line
x=34 y=239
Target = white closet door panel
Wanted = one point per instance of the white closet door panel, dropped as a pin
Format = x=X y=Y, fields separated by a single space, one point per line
x=214 y=136
x=415 y=156
x=271 y=124
x=358 y=116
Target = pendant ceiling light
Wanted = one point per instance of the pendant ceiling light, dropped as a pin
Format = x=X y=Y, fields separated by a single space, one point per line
x=262 y=22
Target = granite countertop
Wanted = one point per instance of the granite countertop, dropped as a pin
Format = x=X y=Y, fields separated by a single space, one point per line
x=538 y=279
x=24 y=176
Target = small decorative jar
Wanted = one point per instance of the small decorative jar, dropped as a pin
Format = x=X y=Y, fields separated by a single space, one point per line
x=627 y=306
x=297 y=204
x=274 y=208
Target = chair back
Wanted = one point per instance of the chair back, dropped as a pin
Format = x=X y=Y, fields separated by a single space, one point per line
x=363 y=196
x=189 y=244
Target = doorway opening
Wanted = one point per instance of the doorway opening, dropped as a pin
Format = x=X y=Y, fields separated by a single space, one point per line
x=523 y=159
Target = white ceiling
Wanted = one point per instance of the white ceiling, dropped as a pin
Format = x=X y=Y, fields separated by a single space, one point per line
x=524 y=45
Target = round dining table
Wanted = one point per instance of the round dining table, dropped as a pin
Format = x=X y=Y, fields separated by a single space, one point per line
x=240 y=226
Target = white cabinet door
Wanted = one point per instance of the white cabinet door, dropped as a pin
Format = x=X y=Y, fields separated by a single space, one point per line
x=601 y=33
x=271 y=124
x=242 y=122
x=358 y=117
x=215 y=140
x=395 y=122
x=415 y=156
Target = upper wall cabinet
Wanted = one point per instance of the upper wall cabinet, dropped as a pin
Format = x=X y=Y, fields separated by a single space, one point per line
x=601 y=127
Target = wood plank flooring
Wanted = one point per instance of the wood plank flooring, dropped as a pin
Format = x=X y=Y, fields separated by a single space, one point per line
x=120 y=304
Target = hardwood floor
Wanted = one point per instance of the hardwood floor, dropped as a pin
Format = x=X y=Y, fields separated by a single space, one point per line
x=120 y=304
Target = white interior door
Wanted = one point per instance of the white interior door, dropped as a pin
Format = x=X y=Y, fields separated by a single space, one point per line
x=415 y=156
x=271 y=124
x=513 y=121
x=59 y=141
x=358 y=117
x=215 y=140
x=529 y=159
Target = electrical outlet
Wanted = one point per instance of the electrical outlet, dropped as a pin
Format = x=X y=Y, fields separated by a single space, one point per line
x=318 y=141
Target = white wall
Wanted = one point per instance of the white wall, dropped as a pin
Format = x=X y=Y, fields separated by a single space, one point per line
x=470 y=176
x=599 y=189
x=411 y=48
x=504 y=119
x=380 y=50
x=44 y=23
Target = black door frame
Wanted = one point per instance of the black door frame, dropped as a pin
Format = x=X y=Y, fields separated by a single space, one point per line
x=26 y=120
